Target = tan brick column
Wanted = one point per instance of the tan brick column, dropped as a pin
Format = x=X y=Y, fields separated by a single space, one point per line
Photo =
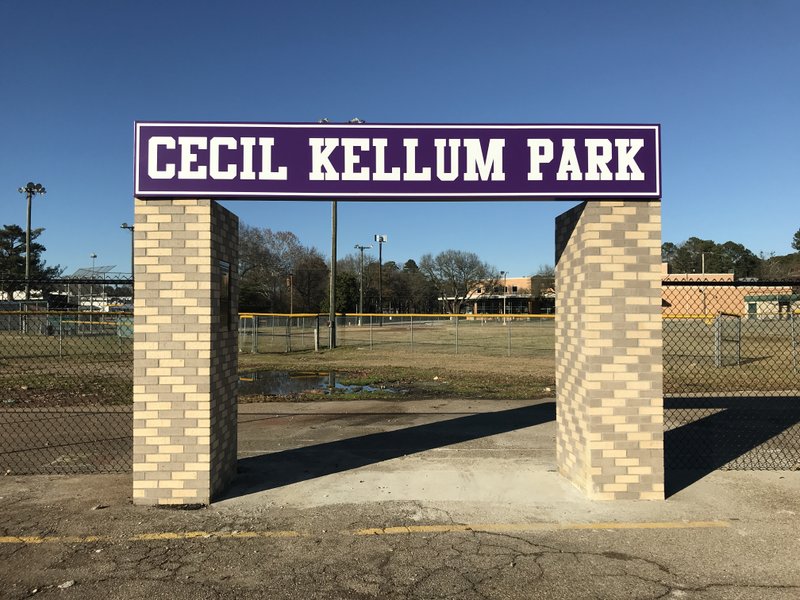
x=610 y=413
x=184 y=351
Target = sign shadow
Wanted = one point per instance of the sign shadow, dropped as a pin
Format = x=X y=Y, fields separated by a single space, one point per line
x=277 y=469
x=744 y=433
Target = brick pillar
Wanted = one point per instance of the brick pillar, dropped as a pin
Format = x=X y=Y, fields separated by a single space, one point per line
x=184 y=351
x=610 y=411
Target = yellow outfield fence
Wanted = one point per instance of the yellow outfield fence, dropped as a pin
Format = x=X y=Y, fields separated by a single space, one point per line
x=509 y=334
x=388 y=316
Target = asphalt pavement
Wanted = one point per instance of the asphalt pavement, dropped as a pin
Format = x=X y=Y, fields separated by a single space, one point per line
x=401 y=499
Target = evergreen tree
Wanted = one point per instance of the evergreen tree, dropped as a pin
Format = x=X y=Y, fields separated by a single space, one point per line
x=12 y=260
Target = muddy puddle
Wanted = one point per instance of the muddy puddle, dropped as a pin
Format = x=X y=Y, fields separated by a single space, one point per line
x=283 y=383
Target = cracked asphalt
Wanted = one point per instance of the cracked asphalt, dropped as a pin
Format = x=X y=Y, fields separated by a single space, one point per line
x=392 y=499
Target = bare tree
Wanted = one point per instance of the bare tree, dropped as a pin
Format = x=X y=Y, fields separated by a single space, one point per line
x=310 y=281
x=271 y=263
x=458 y=275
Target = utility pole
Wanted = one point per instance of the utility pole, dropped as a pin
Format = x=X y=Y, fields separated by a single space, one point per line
x=703 y=261
x=30 y=190
x=332 y=287
x=381 y=239
x=361 y=282
x=332 y=290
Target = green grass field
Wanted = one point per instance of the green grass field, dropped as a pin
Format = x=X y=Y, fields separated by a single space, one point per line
x=45 y=370
x=484 y=337
x=766 y=360
x=432 y=358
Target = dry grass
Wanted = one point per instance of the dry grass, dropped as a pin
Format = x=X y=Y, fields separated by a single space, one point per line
x=421 y=374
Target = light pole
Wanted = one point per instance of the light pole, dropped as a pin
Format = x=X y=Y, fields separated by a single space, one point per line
x=381 y=239
x=505 y=289
x=361 y=282
x=129 y=228
x=93 y=256
x=30 y=190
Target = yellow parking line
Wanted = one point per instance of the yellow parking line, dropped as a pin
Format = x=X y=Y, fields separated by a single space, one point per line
x=523 y=527
x=146 y=537
x=45 y=539
x=399 y=530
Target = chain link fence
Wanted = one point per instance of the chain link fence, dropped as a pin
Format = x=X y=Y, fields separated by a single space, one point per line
x=66 y=377
x=732 y=375
x=482 y=334
x=731 y=368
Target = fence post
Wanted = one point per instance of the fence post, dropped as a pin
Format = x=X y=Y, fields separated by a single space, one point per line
x=412 y=333
x=794 y=341
x=739 y=342
x=254 y=335
x=288 y=342
x=508 y=327
x=456 y=318
x=316 y=334
x=370 y=332
x=60 y=336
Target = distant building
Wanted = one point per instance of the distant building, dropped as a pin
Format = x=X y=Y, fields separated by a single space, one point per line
x=514 y=296
x=751 y=301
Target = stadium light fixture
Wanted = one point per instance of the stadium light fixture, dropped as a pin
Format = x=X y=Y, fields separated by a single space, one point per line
x=361 y=282
x=381 y=239
x=30 y=190
x=93 y=256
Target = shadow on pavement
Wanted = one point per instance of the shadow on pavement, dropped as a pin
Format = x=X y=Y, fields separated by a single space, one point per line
x=268 y=471
x=751 y=433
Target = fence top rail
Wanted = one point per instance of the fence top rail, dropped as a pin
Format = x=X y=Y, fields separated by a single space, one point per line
x=65 y=313
x=726 y=314
x=250 y=315
x=112 y=280
x=737 y=283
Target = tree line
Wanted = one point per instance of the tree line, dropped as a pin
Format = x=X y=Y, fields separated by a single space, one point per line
x=696 y=255
x=280 y=274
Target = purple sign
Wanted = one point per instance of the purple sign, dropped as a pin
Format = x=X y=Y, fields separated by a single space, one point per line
x=400 y=162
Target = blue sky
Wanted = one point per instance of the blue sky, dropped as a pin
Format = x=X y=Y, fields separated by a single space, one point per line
x=722 y=78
